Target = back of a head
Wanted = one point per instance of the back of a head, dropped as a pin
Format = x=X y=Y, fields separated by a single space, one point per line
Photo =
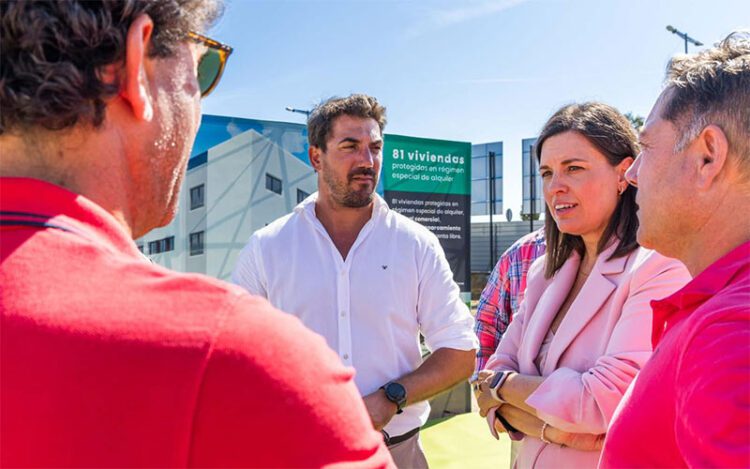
x=712 y=87
x=53 y=53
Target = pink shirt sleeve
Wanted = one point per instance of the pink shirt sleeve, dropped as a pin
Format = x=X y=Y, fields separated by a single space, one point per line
x=273 y=394
x=712 y=428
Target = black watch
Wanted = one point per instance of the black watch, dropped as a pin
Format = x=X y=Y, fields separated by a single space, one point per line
x=396 y=393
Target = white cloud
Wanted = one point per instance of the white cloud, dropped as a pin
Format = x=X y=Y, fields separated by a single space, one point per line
x=440 y=18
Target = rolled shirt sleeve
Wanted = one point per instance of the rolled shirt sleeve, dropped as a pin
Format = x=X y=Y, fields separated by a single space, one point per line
x=444 y=320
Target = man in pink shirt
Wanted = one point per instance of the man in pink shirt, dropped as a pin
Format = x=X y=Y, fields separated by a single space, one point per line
x=690 y=404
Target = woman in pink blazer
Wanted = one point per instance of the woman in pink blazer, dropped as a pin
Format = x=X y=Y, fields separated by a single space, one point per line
x=584 y=328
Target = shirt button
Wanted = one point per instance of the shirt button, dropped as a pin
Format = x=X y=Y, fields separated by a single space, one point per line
x=346 y=356
x=343 y=314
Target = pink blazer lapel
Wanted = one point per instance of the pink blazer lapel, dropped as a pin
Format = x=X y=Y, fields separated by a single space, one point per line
x=552 y=295
x=589 y=301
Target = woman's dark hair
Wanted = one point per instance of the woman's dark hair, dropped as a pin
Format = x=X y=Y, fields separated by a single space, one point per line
x=613 y=135
x=53 y=52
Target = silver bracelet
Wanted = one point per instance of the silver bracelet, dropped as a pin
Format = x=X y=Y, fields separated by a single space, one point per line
x=541 y=437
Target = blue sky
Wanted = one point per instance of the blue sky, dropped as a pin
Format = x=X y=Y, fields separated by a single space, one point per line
x=472 y=70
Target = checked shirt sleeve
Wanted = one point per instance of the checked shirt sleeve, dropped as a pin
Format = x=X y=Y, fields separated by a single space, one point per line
x=493 y=313
x=503 y=294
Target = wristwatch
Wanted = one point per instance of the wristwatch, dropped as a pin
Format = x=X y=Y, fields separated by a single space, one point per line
x=396 y=393
x=497 y=382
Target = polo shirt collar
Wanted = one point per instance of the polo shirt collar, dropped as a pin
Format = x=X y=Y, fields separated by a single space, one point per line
x=26 y=200
x=718 y=275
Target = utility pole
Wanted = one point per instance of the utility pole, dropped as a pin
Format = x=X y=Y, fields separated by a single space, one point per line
x=685 y=37
x=532 y=190
x=491 y=168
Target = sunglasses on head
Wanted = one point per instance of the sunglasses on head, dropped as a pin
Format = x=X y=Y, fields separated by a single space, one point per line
x=212 y=62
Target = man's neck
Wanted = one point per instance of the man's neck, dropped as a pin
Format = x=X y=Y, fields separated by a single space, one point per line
x=724 y=227
x=343 y=224
x=66 y=162
x=709 y=246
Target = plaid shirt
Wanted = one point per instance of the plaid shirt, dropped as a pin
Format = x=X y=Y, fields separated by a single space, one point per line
x=503 y=294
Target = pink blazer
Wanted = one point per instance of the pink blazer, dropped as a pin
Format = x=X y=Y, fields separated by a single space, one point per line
x=604 y=339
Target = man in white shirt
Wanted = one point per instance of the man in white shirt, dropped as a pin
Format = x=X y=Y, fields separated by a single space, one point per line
x=366 y=278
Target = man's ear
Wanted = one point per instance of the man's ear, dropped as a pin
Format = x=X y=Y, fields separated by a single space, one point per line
x=135 y=86
x=710 y=155
x=623 y=166
x=314 y=154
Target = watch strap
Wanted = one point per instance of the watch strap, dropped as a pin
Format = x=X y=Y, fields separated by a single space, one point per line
x=498 y=383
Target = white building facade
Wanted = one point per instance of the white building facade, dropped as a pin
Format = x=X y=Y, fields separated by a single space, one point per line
x=231 y=190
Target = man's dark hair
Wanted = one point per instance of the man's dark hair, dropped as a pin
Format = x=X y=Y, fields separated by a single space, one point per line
x=613 y=135
x=53 y=52
x=712 y=87
x=320 y=121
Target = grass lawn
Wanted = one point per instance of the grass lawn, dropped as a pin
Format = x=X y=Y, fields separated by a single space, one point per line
x=464 y=441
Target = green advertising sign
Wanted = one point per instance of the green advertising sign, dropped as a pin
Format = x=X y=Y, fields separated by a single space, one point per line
x=429 y=181
x=413 y=164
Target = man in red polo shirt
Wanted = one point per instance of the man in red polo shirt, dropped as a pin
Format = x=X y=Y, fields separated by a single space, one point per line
x=690 y=404
x=105 y=359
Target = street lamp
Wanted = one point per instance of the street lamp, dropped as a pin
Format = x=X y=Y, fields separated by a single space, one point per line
x=684 y=36
x=299 y=111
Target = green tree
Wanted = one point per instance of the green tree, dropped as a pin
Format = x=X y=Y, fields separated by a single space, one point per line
x=635 y=120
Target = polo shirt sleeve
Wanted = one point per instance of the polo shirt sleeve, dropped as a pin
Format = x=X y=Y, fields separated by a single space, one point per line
x=248 y=273
x=712 y=426
x=444 y=319
x=272 y=394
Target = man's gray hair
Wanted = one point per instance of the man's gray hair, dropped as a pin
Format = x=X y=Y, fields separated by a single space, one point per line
x=712 y=87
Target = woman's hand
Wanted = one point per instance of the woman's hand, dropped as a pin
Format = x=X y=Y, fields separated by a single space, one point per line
x=484 y=397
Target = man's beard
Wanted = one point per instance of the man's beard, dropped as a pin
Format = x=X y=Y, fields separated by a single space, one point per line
x=343 y=195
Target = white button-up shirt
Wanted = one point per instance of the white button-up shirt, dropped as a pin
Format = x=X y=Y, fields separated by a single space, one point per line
x=371 y=307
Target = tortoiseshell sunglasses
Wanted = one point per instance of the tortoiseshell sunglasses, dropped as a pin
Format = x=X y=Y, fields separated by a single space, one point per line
x=212 y=62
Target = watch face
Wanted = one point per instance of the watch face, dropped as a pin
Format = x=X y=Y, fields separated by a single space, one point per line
x=496 y=379
x=395 y=392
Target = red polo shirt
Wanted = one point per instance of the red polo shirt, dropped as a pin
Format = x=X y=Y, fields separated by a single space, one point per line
x=108 y=360
x=690 y=404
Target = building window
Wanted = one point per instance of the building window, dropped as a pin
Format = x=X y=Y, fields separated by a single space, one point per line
x=140 y=247
x=301 y=195
x=273 y=184
x=196 y=243
x=161 y=245
x=197 y=196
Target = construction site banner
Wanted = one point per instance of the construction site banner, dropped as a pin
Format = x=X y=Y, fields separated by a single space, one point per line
x=429 y=181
